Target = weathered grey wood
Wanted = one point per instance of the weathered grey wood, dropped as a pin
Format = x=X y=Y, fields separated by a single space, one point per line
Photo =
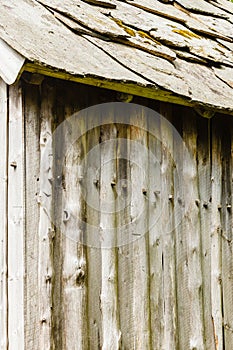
x=87 y=16
x=175 y=13
x=218 y=25
x=189 y=56
x=226 y=234
x=3 y=215
x=157 y=70
x=109 y=293
x=172 y=33
x=203 y=7
x=10 y=64
x=15 y=242
x=192 y=232
x=216 y=239
x=225 y=74
x=46 y=229
x=111 y=4
x=125 y=266
x=155 y=236
x=60 y=41
x=215 y=90
x=204 y=191
x=32 y=180
x=224 y=5
x=183 y=301
x=135 y=39
x=94 y=264
x=74 y=269
x=138 y=212
x=167 y=225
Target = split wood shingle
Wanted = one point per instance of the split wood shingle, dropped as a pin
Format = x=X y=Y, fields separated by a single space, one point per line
x=177 y=51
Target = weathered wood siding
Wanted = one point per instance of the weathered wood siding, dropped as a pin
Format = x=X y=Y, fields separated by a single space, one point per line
x=12 y=217
x=171 y=287
x=3 y=214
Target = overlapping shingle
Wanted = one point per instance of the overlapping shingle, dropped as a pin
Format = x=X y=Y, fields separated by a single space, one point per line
x=166 y=46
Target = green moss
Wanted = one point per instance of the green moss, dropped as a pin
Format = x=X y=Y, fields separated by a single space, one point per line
x=147 y=36
x=128 y=30
x=186 y=33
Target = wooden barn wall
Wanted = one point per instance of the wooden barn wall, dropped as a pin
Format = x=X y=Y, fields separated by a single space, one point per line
x=169 y=289
x=12 y=237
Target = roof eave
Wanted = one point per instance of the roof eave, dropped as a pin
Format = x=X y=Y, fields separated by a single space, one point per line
x=149 y=91
x=11 y=63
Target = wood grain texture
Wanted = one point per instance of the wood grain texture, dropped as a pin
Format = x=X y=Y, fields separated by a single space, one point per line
x=203 y=7
x=138 y=212
x=3 y=216
x=32 y=214
x=16 y=238
x=155 y=236
x=155 y=32
x=60 y=41
x=46 y=228
x=226 y=235
x=11 y=63
x=74 y=266
x=204 y=194
x=156 y=70
x=191 y=227
x=88 y=16
x=94 y=256
x=109 y=294
x=167 y=226
x=168 y=288
x=216 y=240
x=175 y=13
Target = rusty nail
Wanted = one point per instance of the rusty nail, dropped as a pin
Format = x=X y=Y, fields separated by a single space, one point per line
x=66 y=215
x=13 y=164
x=96 y=182
x=80 y=179
x=144 y=191
x=48 y=278
x=113 y=183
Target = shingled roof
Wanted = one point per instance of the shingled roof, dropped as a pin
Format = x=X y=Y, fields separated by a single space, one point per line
x=178 y=51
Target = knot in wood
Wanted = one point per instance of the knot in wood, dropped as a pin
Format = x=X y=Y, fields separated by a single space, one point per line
x=80 y=275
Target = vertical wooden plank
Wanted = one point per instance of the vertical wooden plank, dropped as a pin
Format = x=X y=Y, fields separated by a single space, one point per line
x=204 y=189
x=32 y=180
x=156 y=236
x=125 y=264
x=3 y=214
x=167 y=223
x=192 y=232
x=182 y=299
x=16 y=220
x=226 y=233
x=138 y=156
x=74 y=253
x=46 y=229
x=216 y=240
x=94 y=273
x=109 y=293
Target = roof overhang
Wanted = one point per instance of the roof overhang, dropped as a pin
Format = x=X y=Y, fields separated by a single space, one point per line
x=11 y=63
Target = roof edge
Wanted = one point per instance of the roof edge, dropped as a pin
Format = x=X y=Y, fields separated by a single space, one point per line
x=151 y=92
x=11 y=63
